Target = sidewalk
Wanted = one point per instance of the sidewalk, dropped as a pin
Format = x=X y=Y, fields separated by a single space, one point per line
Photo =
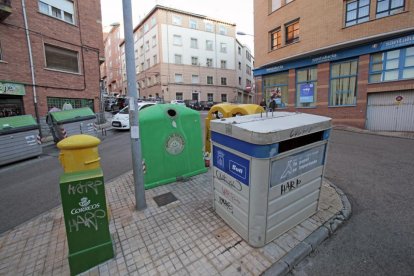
x=185 y=237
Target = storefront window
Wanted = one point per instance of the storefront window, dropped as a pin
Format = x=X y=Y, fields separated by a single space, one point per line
x=76 y=103
x=306 y=87
x=343 y=83
x=276 y=90
x=11 y=106
x=392 y=65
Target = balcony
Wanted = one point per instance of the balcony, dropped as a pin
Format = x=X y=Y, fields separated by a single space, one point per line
x=5 y=9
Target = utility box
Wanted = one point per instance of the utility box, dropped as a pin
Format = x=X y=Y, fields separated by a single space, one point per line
x=267 y=171
x=171 y=142
x=70 y=122
x=19 y=139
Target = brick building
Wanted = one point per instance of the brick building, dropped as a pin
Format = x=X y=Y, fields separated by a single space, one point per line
x=187 y=56
x=352 y=60
x=55 y=61
x=111 y=69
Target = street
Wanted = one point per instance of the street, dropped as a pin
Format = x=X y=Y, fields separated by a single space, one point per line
x=376 y=173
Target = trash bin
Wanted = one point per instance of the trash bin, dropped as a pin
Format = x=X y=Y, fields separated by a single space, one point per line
x=267 y=171
x=19 y=139
x=171 y=142
x=70 y=122
x=226 y=110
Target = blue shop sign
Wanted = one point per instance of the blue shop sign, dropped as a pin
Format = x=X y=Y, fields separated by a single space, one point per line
x=231 y=164
x=306 y=93
x=333 y=56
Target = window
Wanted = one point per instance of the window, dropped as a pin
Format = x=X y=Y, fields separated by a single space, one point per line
x=209 y=45
x=177 y=40
x=154 y=41
x=209 y=62
x=178 y=78
x=292 y=32
x=194 y=43
x=195 y=79
x=224 y=97
x=178 y=59
x=223 y=81
x=223 y=30
x=276 y=4
x=63 y=9
x=223 y=47
x=239 y=80
x=392 y=65
x=176 y=20
x=248 y=56
x=153 y=21
x=209 y=27
x=148 y=63
x=357 y=11
x=147 y=47
x=248 y=70
x=275 y=39
x=389 y=7
x=179 y=96
x=209 y=79
x=239 y=65
x=306 y=87
x=146 y=27
x=239 y=50
x=155 y=59
x=343 y=83
x=61 y=59
x=223 y=64
x=193 y=24
x=141 y=49
x=210 y=97
x=194 y=60
x=1 y=52
x=276 y=89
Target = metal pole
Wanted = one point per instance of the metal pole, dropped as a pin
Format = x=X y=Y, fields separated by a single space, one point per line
x=133 y=107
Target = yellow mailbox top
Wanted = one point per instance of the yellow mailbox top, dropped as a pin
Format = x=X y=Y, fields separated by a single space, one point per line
x=79 y=141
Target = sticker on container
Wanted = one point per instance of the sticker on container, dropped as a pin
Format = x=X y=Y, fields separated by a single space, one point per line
x=231 y=164
x=175 y=144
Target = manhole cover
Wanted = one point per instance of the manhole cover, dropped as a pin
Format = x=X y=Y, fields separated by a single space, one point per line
x=164 y=199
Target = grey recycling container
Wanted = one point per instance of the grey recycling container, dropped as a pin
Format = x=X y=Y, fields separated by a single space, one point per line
x=267 y=171
x=19 y=139
x=70 y=122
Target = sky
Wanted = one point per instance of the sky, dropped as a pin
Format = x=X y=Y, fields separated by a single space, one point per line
x=239 y=12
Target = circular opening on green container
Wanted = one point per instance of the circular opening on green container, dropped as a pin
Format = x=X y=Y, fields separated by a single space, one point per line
x=171 y=112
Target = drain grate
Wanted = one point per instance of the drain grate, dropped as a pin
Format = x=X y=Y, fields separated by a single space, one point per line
x=164 y=199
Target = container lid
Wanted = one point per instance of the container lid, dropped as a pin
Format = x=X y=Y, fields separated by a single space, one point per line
x=76 y=114
x=270 y=128
x=78 y=141
x=17 y=124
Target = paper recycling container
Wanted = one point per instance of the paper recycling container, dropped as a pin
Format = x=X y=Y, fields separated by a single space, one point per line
x=267 y=171
x=19 y=139
x=70 y=122
x=171 y=142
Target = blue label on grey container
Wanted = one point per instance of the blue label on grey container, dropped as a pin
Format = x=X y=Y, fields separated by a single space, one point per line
x=296 y=164
x=231 y=164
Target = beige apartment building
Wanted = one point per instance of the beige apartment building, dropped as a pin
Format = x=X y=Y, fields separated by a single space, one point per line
x=350 y=60
x=187 y=56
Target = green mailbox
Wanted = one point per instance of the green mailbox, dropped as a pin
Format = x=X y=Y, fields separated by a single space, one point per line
x=84 y=203
x=171 y=142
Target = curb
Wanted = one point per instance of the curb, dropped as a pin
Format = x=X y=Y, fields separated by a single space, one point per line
x=309 y=245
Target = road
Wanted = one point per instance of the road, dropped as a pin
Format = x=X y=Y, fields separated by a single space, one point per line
x=377 y=175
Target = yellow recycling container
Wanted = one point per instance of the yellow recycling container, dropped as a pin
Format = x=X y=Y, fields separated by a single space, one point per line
x=226 y=110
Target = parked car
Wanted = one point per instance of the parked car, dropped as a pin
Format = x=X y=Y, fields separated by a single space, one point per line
x=181 y=102
x=121 y=119
x=193 y=104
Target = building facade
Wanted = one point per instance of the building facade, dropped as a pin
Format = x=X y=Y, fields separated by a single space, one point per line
x=50 y=52
x=181 y=55
x=350 y=60
x=111 y=69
